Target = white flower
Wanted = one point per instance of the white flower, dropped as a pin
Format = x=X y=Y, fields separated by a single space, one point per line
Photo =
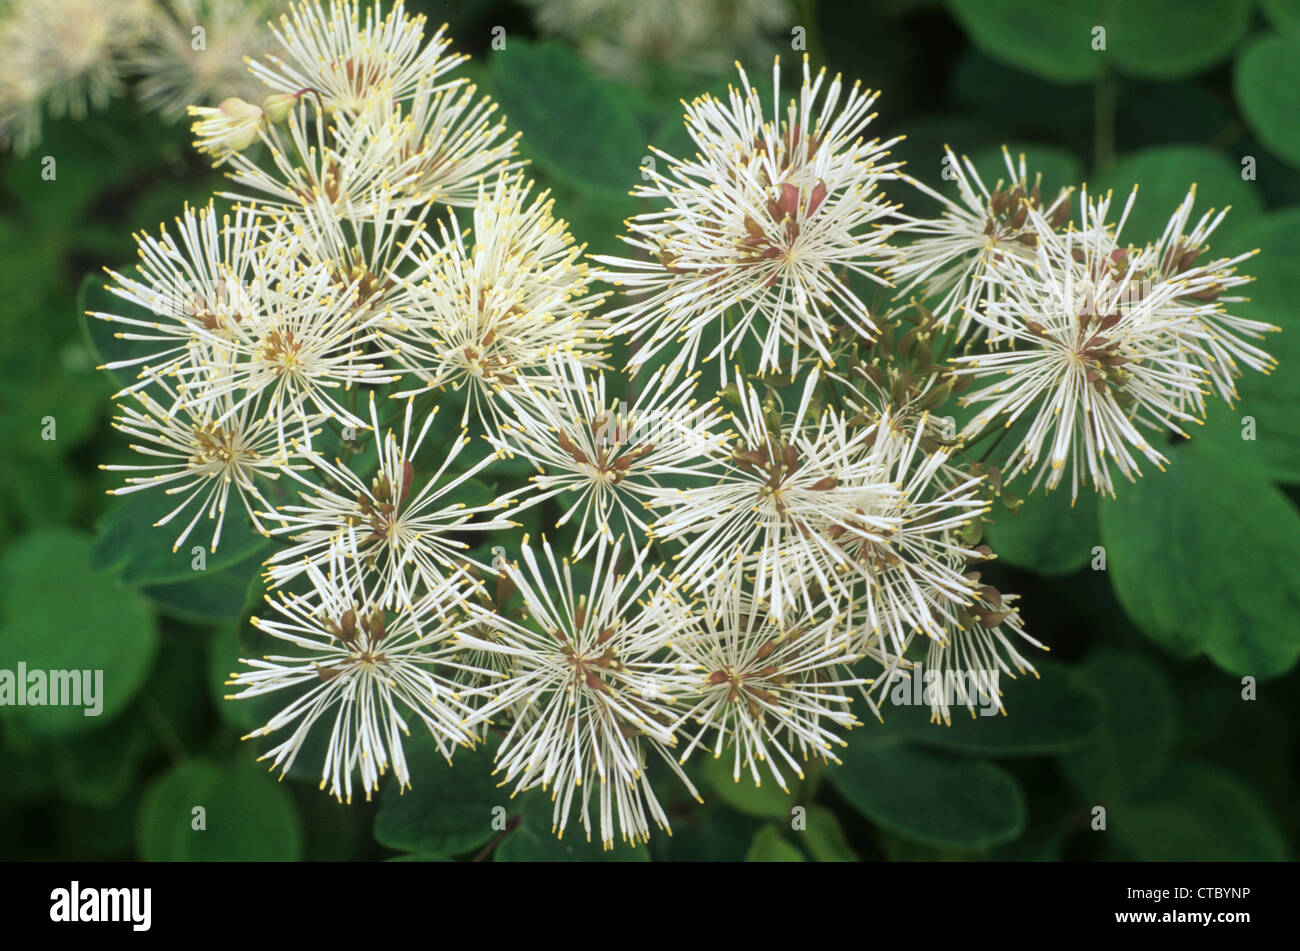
x=1214 y=337
x=482 y=317
x=311 y=340
x=449 y=140
x=175 y=74
x=771 y=696
x=764 y=224
x=202 y=453
x=199 y=284
x=956 y=250
x=1093 y=356
x=344 y=60
x=408 y=534
x=601 y=457
x=762 y=514
x=65 y=55
x=589 y=698
x=230 y=127
x=363 y=671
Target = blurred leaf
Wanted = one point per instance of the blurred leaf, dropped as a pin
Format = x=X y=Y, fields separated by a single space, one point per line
x=534 y=842
x=1198 y=814
x=449 y=807
x=1049 y=534
x=1165 y=173
x=1267 y=83
x=1170 y=39
x=97 y=768
x=60 y=615
x=824 y=839
x=709 y=834
x=768 y=846
x=248 y=817
x=129 y=541
x=985 y=85
x=1283 y=14
x=1139 y=727
x=208 y=596
x=572 y=122
x=1050 y=40
x=1056 y=711
x=1270 y=400
x=931 y=798
x=1206 y=557
x=767 y=801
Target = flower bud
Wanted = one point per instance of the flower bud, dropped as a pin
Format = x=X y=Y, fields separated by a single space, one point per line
x=278 y=106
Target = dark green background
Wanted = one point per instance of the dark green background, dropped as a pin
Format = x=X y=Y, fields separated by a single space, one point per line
x=1139 y=707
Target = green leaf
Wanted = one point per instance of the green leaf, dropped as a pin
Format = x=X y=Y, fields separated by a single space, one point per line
x=1048 y=535
x=530 y=844
x=246 y=816
x=1058 y=710
x=1198 y=813
x=1267 y=83
x=143 y=552
x=1169 y=39
x=60 y=615
x=713 y=833
x=1049 y=40
x=573 y=123
x=208 y=596
x=931 y=798
x=1283 y=14
x=1139 y=727
x=1164 y=174
x=1206 y=557
x=768 y=846
x=767 y=801
x=1269 y=400
x=449 y=808
x=824 y=839
x=97 y=768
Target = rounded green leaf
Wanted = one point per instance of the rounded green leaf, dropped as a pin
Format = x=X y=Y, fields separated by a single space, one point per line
x=1054 y=41
x=768 y=846
x=824 y=839
x=201 y=811
x=145 y=553
x=572 y=122
x=768 y=801
x=1139 y=727
x=1198 y=813
x=450 y=807
x=1206 y=557
x=931 y=798
x=1056 y=711
x=1267 y=82
x=60 y=615
x=1283 y=14
x=1049 y=535
x=1164 y=174
x=1267 y=407
x=1168 y=39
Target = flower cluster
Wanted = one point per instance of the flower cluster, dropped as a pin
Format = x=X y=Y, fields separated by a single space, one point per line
x=733 y=572
x=66 y=57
